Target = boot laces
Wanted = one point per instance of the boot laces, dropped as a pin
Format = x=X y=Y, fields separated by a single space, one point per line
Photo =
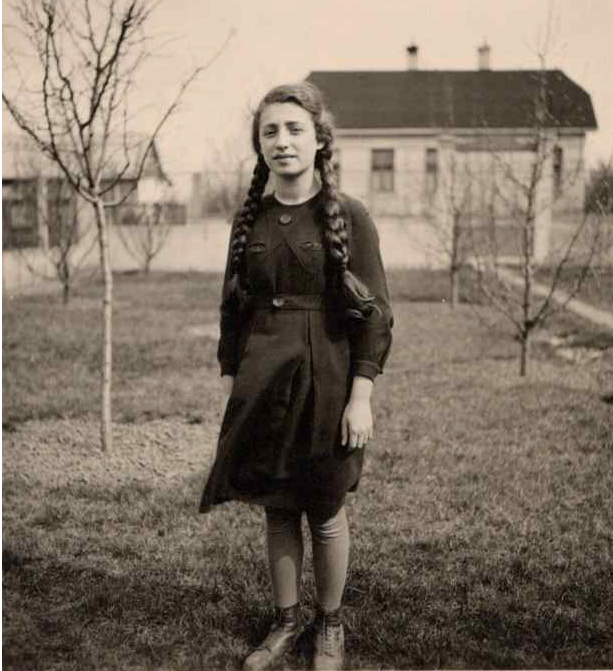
x=330 y=637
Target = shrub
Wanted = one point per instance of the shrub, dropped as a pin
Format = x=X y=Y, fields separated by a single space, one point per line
x=599 y=189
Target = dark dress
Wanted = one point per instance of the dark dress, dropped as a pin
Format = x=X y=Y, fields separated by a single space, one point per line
x=294 y=354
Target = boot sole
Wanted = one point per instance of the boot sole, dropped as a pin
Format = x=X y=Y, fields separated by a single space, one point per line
x=280 y=660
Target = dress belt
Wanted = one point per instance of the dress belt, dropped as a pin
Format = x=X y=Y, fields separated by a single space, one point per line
x=287 y=301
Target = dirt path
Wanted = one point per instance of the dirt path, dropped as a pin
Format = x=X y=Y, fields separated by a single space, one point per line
x=589 y=312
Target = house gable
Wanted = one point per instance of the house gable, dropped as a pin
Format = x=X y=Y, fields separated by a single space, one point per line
x=29 y=176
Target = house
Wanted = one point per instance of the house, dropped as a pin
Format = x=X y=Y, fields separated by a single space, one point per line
x=27 y=177
x=152 y=187
x=40 y=210
x=35 y=193
x=399 y=131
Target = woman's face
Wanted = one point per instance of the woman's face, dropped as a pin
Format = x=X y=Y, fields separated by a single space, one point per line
x=287 y=139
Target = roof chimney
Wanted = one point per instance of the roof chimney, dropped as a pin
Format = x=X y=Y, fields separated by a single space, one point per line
x=412 y=51
x=484 y=56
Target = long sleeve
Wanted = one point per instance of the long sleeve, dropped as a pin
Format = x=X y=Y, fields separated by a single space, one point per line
x=371 y=339
x=230 y=324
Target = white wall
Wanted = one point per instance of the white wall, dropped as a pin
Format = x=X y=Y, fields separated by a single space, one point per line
x=409 y=193
x=409 y=172
x=409 y=197
x=203 y=247
x=194 y=246
x=405 y=242
x=200 y=246
x=572 y=195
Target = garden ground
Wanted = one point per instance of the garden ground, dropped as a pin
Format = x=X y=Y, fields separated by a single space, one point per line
x=482 y=529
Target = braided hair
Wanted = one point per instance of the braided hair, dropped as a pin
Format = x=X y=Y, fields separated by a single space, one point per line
x=243 y=223
x=356 y=298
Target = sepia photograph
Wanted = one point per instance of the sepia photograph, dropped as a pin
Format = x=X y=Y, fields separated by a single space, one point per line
x=307 y=335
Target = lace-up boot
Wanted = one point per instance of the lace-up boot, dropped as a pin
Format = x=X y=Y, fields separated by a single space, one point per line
x=328 y=641
x=281 y=638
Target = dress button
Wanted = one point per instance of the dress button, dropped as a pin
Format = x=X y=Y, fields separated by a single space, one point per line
x=278 y=302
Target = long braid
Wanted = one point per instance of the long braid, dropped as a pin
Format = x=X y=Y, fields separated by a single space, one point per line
x=335 y=227
x=358 y=301
x=244 y=220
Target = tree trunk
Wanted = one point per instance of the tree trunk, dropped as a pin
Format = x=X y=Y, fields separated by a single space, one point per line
x=106 y=434
x=454 y=289
x=65 y=274
x=524 y=359
x=528 y=275
x=454 y=268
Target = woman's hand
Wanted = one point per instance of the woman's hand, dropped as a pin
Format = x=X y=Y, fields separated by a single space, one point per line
x=357 y=424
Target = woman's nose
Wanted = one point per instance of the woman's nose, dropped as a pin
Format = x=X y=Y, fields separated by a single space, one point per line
x=282 y=139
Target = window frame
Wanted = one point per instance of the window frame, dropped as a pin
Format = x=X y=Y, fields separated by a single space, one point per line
x=61 y=211
x=19 y=205
x=431 y=171
x=124 y=213
x=557 y=170
x=382 y=173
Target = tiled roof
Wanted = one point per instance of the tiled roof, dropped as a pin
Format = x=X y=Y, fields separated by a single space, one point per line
x=452 y=99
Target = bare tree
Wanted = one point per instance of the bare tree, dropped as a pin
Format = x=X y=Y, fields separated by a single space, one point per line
x=450 y=213
x=146 y=232
x=63 y=234
x=68 y=243
x=599 y=188
x=517 y=197
x=73 y=102
x=226 y=180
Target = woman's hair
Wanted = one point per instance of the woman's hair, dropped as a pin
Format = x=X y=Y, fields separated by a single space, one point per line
x=358 y=301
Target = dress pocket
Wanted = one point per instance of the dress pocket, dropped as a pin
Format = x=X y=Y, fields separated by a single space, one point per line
x=312 y=256
x=256 y=248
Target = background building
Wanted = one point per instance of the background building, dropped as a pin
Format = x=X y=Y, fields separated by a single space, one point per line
x=398 y=133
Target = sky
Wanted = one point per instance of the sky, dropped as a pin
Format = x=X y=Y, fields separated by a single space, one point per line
x=276 y=41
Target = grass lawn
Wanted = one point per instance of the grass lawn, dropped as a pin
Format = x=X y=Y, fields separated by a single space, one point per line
x=482 y=531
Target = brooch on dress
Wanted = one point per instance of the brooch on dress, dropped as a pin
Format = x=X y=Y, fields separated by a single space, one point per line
x=285 y=219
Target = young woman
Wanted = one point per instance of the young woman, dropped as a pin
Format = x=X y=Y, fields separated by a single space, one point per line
x=305 y=329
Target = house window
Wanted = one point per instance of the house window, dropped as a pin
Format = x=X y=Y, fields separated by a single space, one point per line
x=431 y=172
x=19 y=214
x=61 y=212
x=126 y=212
x=382 y=170
x=125 y=188
x=557 y=171
x=336 y=167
